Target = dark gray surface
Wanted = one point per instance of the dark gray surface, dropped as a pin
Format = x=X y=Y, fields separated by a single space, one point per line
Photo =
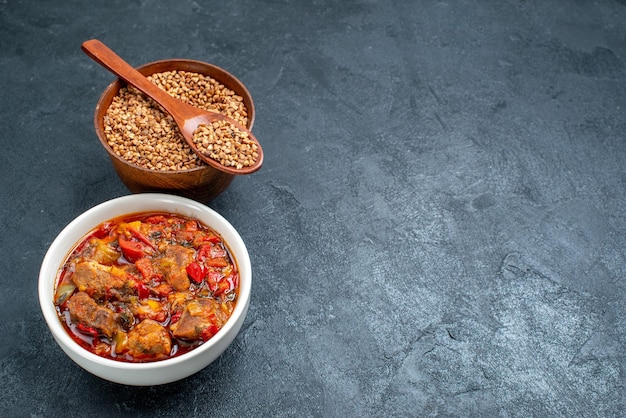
x=439 y=227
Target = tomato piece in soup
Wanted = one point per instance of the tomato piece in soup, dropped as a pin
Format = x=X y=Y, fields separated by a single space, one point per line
x=132 y=250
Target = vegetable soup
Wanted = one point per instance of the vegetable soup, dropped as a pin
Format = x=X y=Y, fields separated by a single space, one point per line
x=147 y=287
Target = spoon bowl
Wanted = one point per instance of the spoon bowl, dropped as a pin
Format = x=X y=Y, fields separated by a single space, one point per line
x=188 y=118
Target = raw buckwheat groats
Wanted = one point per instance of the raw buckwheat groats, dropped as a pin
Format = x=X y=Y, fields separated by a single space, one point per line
x=140 y=132
x=226 y=144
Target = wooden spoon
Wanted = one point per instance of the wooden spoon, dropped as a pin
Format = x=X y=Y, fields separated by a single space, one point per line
x=187 y=117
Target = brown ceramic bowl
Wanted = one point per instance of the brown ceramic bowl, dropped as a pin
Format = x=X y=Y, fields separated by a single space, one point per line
x=201 y=183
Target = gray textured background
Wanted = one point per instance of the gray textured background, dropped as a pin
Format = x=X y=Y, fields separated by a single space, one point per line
x=439 y=227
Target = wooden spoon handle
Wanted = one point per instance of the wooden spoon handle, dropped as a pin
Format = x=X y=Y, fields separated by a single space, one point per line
x=104 y=56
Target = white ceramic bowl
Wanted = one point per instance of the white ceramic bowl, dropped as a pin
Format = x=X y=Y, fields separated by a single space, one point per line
x=158 y=372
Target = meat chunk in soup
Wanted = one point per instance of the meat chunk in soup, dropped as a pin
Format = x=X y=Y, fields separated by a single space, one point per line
x=173 y=266
x=98 y=280
x=87 y=312
x=200 y=319
x=149 y=339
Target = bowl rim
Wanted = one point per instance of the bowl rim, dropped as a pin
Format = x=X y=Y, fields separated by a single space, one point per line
x=118 y=83
x=49 y=265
